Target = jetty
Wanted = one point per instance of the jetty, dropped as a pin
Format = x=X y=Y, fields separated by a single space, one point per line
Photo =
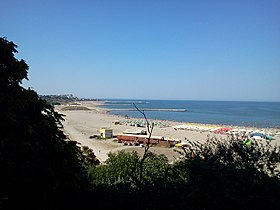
x=151 y=109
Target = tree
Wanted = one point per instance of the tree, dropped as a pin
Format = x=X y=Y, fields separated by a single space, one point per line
x=228 y=174
x=39 y=165
x=118 y=179
x=120 y=168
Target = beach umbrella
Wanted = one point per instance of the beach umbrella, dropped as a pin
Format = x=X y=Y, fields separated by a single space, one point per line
x=226 y=129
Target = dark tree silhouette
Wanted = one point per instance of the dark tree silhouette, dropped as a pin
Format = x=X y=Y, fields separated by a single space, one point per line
x=40 y=168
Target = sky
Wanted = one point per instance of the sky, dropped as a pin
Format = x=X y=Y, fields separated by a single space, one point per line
x=148 y=49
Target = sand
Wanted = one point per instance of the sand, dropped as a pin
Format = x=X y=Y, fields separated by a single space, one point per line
x=80 y=124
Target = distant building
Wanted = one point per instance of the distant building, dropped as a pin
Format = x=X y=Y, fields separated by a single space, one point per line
x=106 y=133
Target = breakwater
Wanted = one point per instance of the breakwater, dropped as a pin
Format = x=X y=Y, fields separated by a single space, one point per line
x=250 y=114
x=147 y=109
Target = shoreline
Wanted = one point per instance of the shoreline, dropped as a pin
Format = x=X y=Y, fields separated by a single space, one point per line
x=204 y=124
x=80 y=124
x=248 y=127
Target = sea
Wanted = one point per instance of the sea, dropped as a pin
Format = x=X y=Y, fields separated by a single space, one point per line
x=235 y=113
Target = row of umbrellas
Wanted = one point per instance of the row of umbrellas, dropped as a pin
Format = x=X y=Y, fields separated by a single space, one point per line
x=142 y=123
x=223 y=130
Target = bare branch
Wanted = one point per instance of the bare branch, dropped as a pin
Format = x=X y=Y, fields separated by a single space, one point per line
x=150 y=128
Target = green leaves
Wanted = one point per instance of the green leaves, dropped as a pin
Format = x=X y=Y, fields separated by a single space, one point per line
x=232 y=152
x=121 y=167
x=222 y=173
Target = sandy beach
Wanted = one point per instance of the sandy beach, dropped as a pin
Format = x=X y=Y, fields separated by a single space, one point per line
x=84 y=119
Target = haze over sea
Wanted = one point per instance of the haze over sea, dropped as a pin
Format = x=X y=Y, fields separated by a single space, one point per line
x=255 y=114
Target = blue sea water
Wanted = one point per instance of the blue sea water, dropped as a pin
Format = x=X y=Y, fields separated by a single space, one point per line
x=257 y=114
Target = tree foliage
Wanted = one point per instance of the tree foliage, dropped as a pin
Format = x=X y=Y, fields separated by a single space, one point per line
x=224 y=174
x=227 y=174
x=119 y=168
x=260 y=156
x=39 y=165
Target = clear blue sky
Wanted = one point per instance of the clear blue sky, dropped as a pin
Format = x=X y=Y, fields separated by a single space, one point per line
x=148 y=49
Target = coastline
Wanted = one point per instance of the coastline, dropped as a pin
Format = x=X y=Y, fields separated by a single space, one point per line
x=86 y=118
x=174 y=122
x=226 y=113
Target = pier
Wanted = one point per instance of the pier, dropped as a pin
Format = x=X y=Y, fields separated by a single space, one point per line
x=149 y=109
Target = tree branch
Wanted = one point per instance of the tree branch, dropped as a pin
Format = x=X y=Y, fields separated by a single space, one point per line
x=150 y=128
